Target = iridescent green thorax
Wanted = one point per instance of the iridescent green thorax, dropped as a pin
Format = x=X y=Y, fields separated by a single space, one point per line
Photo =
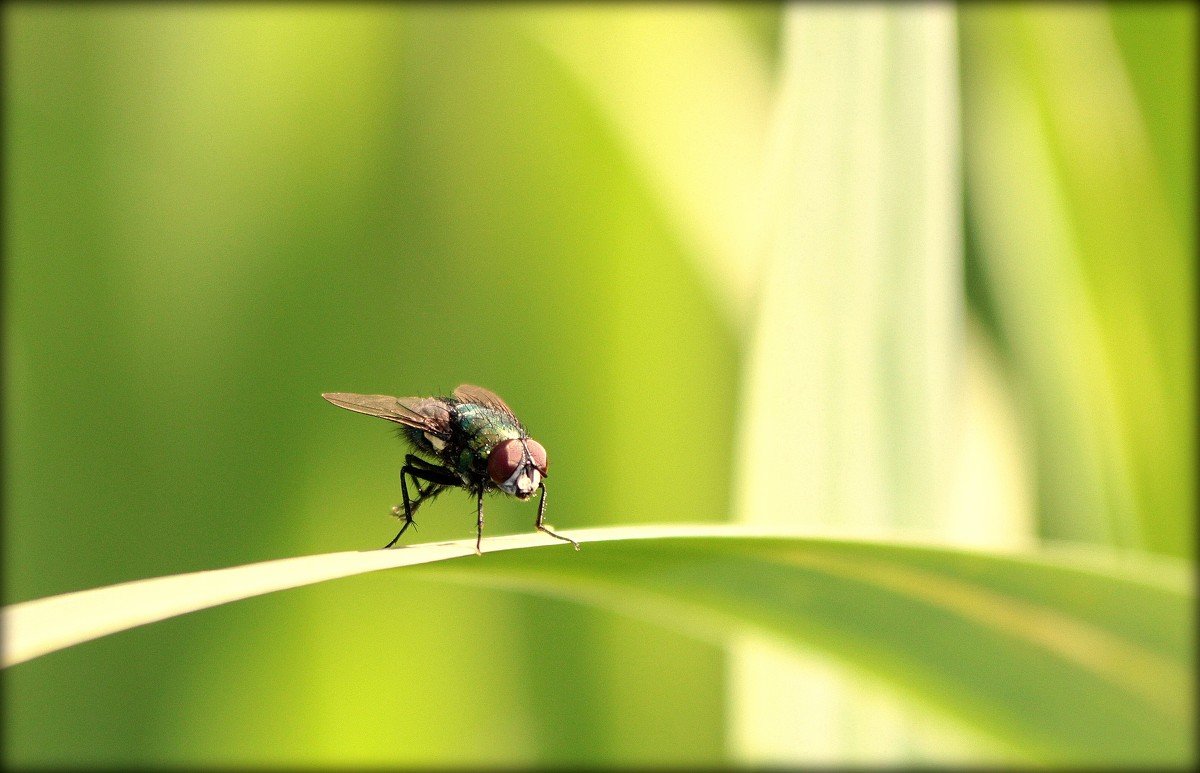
x=483 y=429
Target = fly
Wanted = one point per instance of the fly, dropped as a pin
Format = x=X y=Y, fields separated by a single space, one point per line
x=471 y=440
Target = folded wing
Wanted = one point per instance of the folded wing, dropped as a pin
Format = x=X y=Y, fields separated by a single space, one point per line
x=427 y=414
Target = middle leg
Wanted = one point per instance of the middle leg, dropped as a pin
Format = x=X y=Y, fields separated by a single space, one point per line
x=437 y=480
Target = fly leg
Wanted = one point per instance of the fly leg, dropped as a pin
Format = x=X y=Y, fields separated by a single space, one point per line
x=479 y=531
x=541 y=517
x=436 y=479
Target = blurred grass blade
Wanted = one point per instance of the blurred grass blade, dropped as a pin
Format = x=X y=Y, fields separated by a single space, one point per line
x=1058 y=658
x=688 y=96
x=852 y=380
x=1066 y=658
x=1090 y=277
x=852 y=386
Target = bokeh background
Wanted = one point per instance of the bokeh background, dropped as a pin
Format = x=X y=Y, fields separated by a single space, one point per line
x=912 y=270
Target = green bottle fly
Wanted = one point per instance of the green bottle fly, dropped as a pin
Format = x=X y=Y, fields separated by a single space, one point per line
x=470 y=440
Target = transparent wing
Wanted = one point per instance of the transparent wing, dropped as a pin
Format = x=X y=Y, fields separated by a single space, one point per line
x=477 y=394
x=427 y=414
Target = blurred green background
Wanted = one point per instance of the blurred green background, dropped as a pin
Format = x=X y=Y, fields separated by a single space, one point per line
x=215 y=213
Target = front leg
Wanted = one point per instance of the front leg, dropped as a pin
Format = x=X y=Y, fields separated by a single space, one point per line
x=479 y=529
x=542 y=516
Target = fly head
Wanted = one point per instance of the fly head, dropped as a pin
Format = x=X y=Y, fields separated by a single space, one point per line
x=518 y=466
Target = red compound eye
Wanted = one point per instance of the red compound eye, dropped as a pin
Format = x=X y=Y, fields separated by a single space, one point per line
x=504 y=460
x=539 y=455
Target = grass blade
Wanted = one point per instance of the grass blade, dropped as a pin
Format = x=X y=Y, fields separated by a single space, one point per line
x=1064 y=657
